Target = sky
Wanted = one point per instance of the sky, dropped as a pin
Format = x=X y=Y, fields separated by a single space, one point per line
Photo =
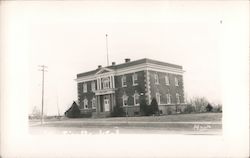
x=69 y=38
x=210 y=39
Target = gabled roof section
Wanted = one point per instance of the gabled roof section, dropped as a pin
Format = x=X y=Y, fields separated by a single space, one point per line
x=104 y=70
x=128 y=64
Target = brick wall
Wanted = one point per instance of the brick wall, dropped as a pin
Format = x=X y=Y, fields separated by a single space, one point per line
x=89 y=95
x=130 y=89
x=163 y=89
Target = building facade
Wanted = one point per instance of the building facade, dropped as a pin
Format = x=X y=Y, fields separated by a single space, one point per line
x=100 y=90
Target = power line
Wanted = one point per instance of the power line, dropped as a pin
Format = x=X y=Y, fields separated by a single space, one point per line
x=43 y=69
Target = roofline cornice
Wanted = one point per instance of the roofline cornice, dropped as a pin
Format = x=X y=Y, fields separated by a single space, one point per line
x=132 y=69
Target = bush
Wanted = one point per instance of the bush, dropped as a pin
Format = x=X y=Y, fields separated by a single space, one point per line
x=154 y=106
x=73 y=111
x=118 y=112
x=149 y=110
x=189 y=109
x=143 y=107
x=199 y=103
x=169 y=111
x=209 y=107
x=217 y=108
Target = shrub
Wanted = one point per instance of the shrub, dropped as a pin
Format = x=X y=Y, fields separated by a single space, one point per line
x=189 y=109
x=199 y=103
x=143 y=107
x=209 y=107
x=217 y=108
x=149 y=110
x=169 y=111
x=154 y=106
x=117 y=112
x=73 y=111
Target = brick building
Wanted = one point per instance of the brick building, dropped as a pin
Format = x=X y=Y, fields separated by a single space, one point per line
x=100 y=90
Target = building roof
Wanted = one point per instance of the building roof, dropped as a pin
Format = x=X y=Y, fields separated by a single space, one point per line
x=130 y=63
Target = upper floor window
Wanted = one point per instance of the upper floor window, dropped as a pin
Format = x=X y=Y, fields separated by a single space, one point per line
x=105 y=83
x=85 y=103
x=93 y=103
x=124 y=83
x=176 y=81
x=135 y=77
x=125 y=100
x=158 y=98
x=136 y=99
x=93 y=86
x=84 y=87
x=166 y=80
x=177 y=98
x=168 y=99
x=156 y=79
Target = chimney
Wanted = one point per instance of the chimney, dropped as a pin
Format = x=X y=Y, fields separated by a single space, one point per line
x=99 y=66
x=113 y=63
x=127 y=60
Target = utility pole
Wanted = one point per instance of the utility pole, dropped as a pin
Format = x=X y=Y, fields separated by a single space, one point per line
x=57 y=107
x=43 y=69
x=107 y=49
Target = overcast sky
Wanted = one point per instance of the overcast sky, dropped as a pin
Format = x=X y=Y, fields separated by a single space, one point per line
x=69 y=38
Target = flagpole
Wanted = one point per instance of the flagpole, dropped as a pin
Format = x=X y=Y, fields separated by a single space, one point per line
x=107 y=49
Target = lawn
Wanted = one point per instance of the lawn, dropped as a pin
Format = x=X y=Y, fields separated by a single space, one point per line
x=183 y=123
x=201 y=117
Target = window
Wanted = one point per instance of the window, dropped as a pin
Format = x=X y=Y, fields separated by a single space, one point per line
x=85 y=103
x=176 y=81
x=93 y=86
x=105 y=83
x=168 y=99
x=125 y=100
x=136 y=99
x=93 y=103
x=166 y=80
x=156 y=79
x=177 y=98
x=124 y=84
x=134 y=79
x=84 y=87
x=158 y=98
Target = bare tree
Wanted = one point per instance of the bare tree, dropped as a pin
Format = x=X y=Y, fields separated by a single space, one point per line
x=199 y=103
x=36 y=113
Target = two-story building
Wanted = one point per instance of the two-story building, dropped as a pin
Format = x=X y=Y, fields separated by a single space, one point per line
x=100 y=90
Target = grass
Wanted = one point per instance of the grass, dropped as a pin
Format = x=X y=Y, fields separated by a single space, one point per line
x=201 y=117
x=175 y=123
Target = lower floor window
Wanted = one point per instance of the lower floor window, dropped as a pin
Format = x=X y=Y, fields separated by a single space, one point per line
x=177 y=98
x=125 y=100
x=168 y=99
x=85 y=103
x=136 y=99
x=158 y=98
x=93 y=103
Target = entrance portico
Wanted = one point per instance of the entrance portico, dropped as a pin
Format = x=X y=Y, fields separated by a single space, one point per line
x=105 y=93
x=105 y=104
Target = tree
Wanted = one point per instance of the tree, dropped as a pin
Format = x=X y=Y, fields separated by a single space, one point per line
x=36 y=113
x=209 y=107
x=189 y=109
x=199 y=103
x=73 y=111
x=154 y=106
x=143 y=107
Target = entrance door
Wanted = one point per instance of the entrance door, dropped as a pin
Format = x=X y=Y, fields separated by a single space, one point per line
x=106 y=104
